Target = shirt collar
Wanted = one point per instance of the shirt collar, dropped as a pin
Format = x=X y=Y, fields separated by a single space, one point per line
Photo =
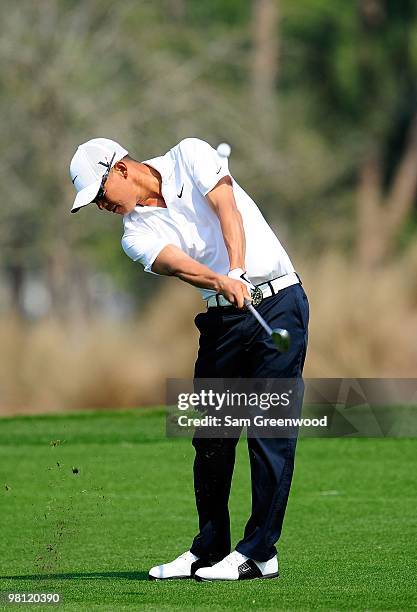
x=164 y=164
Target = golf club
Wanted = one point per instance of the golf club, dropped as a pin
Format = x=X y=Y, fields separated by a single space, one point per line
x=280 y=337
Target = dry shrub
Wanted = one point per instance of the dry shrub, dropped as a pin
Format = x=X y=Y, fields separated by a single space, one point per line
x=362 y=324
x=49 y=367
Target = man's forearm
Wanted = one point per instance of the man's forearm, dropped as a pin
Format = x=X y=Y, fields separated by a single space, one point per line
x=222 y=201
x=199 y=276
x=234 y=236
x=174 y=262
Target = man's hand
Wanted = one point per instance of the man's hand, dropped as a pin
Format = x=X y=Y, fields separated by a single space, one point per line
x=241 y=275
x=235 y=291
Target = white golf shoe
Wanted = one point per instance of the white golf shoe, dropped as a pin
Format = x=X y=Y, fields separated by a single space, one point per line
x=183 y=566
x=239 y=567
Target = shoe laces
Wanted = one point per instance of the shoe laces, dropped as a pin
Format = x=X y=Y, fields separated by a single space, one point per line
x=185 y=556
x=234 y=557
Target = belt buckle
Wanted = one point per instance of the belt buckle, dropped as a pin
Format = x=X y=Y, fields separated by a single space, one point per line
x=257 y=296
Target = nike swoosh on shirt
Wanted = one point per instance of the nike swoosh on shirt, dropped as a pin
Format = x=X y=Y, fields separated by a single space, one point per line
x=73 y=180
x=180 y=193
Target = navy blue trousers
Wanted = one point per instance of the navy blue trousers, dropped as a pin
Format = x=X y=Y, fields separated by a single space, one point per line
x=234 y=345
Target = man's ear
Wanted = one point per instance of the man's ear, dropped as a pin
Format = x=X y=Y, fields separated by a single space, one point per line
x=121 y=168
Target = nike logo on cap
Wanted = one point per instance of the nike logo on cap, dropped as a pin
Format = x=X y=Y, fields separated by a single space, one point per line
x=73 y=180
x=180 y=193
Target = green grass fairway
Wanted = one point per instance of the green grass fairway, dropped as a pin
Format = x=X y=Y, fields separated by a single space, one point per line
x=349 y=540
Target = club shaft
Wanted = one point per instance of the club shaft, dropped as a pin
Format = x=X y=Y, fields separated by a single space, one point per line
x=259 y=318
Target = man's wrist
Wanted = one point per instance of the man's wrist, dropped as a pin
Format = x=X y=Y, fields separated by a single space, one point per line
x=221 y=280
x=236 y=273
x=240 y=275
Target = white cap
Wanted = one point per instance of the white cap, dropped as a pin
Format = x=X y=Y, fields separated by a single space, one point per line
x=90 y=162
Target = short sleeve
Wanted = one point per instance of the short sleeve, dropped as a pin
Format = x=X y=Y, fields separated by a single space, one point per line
x=205 y=164
x=143 y=247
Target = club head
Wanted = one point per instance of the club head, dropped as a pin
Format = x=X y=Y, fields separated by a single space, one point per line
x=281 y=338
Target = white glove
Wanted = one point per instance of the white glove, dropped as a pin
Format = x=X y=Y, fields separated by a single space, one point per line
x=239 y=274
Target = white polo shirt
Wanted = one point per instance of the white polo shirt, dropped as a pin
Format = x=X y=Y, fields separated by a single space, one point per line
x=189 y=171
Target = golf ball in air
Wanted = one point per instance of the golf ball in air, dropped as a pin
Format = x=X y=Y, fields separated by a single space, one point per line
x=224 y=149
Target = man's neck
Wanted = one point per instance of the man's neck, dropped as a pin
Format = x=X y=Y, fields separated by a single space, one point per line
x=150 y=186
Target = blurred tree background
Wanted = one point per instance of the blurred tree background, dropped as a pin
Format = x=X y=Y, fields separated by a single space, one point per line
x=318 y=99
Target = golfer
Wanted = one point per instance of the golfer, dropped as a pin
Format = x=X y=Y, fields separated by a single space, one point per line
x=185 y=216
